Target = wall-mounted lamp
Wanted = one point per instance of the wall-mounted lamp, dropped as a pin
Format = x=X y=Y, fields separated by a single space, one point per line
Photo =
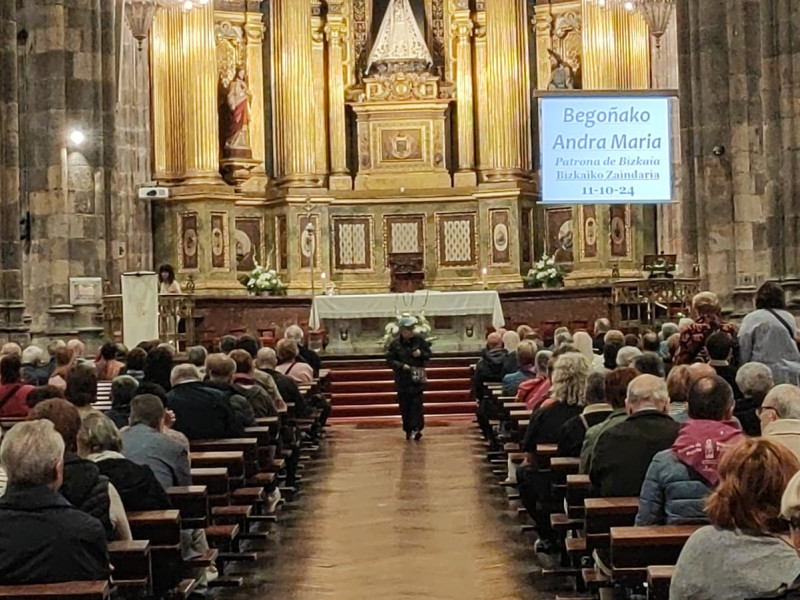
x=344 y=333
x=470 y=330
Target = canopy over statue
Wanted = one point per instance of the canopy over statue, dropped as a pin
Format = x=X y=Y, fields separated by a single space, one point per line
x=399 y=41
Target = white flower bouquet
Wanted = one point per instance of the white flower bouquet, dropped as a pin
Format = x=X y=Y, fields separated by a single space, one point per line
x=545 y=273
x=419 y=324
x=263 y=281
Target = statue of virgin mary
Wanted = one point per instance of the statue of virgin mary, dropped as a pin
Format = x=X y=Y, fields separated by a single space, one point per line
x=399 y=41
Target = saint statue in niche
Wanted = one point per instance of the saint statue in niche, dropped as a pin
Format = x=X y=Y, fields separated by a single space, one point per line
x=237 y=101
x=561 y=76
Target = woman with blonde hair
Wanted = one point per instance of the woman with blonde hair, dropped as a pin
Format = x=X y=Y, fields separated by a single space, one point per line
x=745 y=552
x=570 y=372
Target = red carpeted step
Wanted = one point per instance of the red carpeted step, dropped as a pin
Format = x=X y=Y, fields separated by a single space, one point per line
x=374 y=410
x=338 y=400
x=385 y=374
x=360 y=387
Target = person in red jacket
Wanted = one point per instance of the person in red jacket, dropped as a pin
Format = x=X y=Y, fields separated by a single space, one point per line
x=13 y=393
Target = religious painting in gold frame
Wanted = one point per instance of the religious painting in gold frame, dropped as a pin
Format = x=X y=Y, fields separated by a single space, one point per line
x=500 y=232
x=404 y=234
x=187 y=241
x=249 y=237
x=559 y=234
x=456 y=240
x=220 y=256
x=282 y=243
x=589 y=232
x=526 y=235
x=352 y=243
x=308 y=243
x=619 y=230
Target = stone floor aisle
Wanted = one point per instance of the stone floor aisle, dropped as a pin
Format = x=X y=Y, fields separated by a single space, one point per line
x=392 y=520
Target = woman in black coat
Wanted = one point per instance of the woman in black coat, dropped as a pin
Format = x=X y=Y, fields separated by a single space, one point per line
x=407 y=355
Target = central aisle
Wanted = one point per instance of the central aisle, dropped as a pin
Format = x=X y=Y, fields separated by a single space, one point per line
x=390 y=519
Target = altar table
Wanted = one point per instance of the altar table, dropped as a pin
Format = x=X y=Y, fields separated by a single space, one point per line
x=343 y=316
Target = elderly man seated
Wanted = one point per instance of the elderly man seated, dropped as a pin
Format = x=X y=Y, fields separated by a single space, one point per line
x=623 y=453
x=780 y=416
x=34 y=366
x=201 y=413
x=43 y=538
x=306 y=354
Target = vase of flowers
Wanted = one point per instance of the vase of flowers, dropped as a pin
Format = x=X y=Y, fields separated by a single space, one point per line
x=418 y=323
x=262 y=281
x=545 y=273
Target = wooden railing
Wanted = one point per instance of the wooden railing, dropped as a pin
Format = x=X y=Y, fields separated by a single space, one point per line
x=175 y=319
x=650 y=302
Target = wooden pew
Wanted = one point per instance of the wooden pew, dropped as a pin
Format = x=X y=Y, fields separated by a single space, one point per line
x=544 y=452
x=579 y=487
x=132 y=570
x=247 y=446
x=659 y=579
x=162 y=528
x=604 y=513
x=233 y=461
x=72 y=590
x=215 y=480
x=633 y=549
x=192 y=502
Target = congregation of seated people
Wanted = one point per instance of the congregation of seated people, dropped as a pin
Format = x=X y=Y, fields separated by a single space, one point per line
x=694 y=424
x=72 y=468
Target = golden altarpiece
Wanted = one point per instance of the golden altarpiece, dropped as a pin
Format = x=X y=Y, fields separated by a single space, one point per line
x=394 y=128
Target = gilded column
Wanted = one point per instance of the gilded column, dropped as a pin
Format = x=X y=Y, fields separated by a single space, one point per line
x=200 y=77
x=168 y=84
x=508 y=134
x=294 y=91
x=334 y=30
x=320 y=92
x=254 y=31
x=480 y=67
x=465 y=108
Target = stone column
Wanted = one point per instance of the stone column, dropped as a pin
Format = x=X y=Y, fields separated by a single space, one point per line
x=335 y=29
x=201 y=80
x=296 y=130
x=12 y=306
x=665 y=77
x=465 y=107
x=740 y=122
x=482 y=101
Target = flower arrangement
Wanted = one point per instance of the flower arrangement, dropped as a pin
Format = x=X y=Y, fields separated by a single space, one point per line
x=545 y=273
x=420 y=325
x=263 y=281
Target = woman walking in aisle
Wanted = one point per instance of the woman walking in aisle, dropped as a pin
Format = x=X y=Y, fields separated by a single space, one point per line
x=407 y=355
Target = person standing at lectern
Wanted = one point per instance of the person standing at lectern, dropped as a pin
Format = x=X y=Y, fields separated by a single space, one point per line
x=407 y=355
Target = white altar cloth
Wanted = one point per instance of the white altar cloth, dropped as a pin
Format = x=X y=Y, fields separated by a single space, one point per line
x=390 y=305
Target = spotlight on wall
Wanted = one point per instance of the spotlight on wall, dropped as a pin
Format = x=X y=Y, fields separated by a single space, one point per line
x=76 y=137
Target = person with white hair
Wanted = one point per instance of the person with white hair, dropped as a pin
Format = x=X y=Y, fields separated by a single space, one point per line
x=510 y=342
x=627 y=355
x=305 y=354
x=34 y=369
x=780 y=416
x=623 y=453
x=78 y=351
x=755 y=381
x=568 y=393
x=11 y=349
x=45 y=539
x=201 y=413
